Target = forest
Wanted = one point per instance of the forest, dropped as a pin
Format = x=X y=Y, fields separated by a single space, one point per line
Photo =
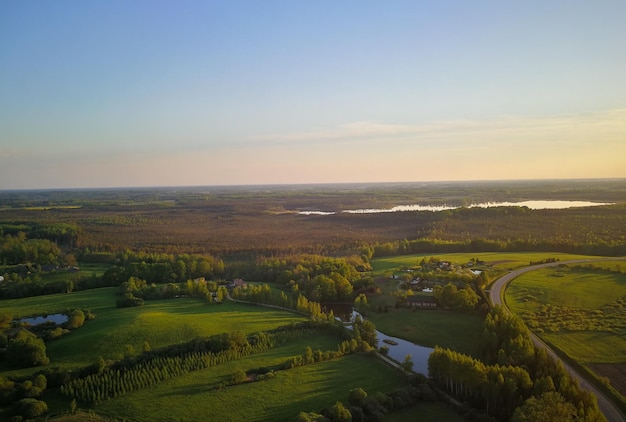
x=153 y=248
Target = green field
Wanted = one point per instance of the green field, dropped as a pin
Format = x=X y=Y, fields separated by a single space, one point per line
x=160 y=323
x=432 y=328
x=425 y=412
x=497 y=260
x=308 y=388
x=580 y=311
x=197 y=395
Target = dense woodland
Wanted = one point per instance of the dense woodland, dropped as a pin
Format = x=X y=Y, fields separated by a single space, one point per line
x=240 y=223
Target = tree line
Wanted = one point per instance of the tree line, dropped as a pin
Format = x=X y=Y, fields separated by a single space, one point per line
x=509 y=374
x=104 y=381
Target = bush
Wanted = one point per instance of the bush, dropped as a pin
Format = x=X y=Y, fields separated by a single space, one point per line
x=75 y=320
x=26 y=350
x=30 y=408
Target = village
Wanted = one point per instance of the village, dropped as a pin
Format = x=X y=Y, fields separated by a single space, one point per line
x=421 y=286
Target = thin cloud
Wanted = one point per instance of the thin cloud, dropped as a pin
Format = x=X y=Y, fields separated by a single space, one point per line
x=609 y=126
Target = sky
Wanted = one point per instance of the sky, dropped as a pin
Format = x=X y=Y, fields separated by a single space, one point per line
x=186 y=93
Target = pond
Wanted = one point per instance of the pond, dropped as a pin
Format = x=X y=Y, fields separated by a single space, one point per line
x=56 y=318
x=398 y=351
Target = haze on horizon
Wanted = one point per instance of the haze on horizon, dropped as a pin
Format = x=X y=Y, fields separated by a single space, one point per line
x=164 y=93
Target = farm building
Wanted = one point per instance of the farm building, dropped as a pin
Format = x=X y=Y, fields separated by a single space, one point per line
x=421 y=301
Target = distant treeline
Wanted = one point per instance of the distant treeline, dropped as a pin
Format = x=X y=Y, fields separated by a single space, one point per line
x=405 y=247
x=240 y=227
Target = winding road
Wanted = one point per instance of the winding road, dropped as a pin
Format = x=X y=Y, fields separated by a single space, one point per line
x=496 y=296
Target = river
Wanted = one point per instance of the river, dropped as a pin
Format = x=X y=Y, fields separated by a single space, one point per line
x=419 y=354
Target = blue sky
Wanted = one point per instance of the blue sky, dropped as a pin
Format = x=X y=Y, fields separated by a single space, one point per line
x=162 y=93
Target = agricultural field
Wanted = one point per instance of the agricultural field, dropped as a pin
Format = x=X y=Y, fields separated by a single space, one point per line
x=581 y=311
x=196 y=394
x=454 y=330
x=308 y=388
x=159 y=322
x=493 y=261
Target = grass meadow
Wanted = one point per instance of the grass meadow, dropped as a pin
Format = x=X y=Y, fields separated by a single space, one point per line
x=425 y=412
x=454 y=330
x=581 y=311
x=160 y=323
x=497 y=260
x=430 y=328
x=307 y=388
x=200 y=395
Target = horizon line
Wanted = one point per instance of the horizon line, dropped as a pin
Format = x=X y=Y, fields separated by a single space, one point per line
x=283 y=185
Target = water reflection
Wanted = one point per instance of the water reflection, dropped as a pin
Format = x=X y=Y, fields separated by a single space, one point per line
x=398 y=350
x=56 y=318
x=533 y=205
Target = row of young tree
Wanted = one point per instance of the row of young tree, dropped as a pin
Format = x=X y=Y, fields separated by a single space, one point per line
x=511 y=372
x=109 y=384
x=104 y=381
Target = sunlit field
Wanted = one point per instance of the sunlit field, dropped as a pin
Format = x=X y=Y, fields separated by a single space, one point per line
x=580 y=310
x=160 y=323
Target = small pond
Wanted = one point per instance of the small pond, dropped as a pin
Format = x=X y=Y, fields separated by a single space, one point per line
x=56 y=318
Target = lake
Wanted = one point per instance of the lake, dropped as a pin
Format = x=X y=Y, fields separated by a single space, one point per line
x=533 y=205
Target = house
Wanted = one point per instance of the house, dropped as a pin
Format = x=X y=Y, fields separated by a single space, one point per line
x=421 y=301
x=239 y=283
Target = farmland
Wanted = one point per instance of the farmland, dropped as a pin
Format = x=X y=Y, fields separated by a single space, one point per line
x=160 y=323
x=579 y=310
x=146 y=272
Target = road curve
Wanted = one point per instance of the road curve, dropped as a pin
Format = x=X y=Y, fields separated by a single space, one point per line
x=496 y=296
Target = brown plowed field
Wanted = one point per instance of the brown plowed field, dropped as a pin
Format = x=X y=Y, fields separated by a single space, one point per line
x=615 y=372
